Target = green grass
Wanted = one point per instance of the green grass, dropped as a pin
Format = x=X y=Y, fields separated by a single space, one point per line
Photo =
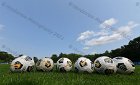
x=70 y=78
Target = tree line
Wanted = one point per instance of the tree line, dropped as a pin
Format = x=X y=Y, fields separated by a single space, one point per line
x=131 y=51
x=5 y=57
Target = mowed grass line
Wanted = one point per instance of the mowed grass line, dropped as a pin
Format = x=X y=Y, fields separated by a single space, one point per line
x=69 y=78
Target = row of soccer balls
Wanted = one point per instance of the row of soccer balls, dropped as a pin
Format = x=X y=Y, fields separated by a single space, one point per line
x=102 y=64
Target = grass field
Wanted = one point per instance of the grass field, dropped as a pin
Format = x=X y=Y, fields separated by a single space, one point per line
x=70 y=78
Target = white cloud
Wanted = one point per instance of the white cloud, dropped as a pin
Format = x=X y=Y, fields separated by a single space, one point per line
x=103 y=40
x=92 y=38
x=85 y=35
x=101 y=33
x=108 y=23
x=126 y=29
x=90 y=34
x=86 y=48
x=118 y=34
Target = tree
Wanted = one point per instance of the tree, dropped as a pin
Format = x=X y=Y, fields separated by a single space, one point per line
x=5 y=57
x=54 y=58
x=61 y=55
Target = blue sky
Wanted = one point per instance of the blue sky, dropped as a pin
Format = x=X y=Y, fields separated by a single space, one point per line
x=71 y=30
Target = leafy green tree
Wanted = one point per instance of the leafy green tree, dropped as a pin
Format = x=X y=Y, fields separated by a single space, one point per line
x=54 y=58
x=5 y=57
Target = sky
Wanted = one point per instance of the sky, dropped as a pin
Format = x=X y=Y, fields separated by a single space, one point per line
x=44 y=27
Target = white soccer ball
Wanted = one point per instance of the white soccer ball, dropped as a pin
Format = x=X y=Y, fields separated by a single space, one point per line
x=64 y=64
x=84 y=65
x=45 y=64
x=21 y=64
x=124 y=65
x=105 y=65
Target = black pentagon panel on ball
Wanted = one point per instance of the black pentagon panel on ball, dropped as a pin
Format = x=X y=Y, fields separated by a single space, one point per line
x=62 y=69
x=132 y=72
x=30 y=68
x=28 y=58
x=61 y=60
x=76 y=69
x=118 y=58
x=131 y=63
x=109 y=71
x=122 y=66
x=38 y=63
x=48 y=64
x=82 y=63
x=18 y=65
x=97 y=64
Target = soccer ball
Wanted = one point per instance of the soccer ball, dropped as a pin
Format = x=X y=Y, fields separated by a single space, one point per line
x=64 y=64
x=105 y=65
x=21 y=64
x=84 y=65
x=45 y=64
x=124 y=65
